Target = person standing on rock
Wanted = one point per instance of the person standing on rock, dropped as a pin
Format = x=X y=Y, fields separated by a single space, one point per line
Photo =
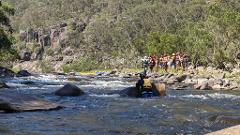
x=144 y=86
x=161 y=62
x=173 y=61
x=185 y=61
x=165 y=63
x=145 y=63
x=152 y=62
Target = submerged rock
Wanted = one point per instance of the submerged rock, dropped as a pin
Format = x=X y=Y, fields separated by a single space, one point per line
x=74 y=79
x=3 y=85
x=15 y=102
x=69 y=90
x=130 y=92
x=235 y=120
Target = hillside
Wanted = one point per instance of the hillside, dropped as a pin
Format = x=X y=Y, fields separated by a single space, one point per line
x=88 y=34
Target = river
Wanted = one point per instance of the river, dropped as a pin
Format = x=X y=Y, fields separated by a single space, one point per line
x=102 y=111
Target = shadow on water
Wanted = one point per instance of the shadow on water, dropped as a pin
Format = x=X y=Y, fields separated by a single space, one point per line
x=103 y=111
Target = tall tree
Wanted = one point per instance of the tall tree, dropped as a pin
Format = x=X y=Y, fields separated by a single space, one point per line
x=5 y=28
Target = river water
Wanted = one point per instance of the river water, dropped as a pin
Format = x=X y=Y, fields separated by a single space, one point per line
x=102 y=111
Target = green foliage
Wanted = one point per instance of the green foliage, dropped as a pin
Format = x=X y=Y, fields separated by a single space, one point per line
x=7 y=56
x=161 y=43
x=208 y=31
x=5 y=28
x=81 y=65
x=46 y=66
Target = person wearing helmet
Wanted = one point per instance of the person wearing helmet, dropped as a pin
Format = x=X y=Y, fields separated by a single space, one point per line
x=144 y=86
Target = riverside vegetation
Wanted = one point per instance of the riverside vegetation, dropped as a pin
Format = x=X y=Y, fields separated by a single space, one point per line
x=89 y=34
x=43 y=36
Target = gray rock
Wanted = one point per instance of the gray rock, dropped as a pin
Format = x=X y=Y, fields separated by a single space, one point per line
x=4 y=72
x=234 y=86
x=218 y=82
x=23 y=73
x=180 y=87
x=181 y=78
x=15 y=102
x=228 y=120
x=3 y=85
x=168 y=75
x=211 y=82
x=202 y=84
x=74 y=78
x=130 y=92
x=217 y=87
x=226 y=83
x=172 y=80
x=69 y=90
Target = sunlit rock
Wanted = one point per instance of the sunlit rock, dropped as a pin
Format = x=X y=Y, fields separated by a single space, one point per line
x=15 y=102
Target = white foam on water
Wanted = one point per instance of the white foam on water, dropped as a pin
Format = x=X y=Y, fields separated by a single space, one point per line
x=105 y=95
x=48 y=78
x=172 y=96
x=207 y=96
x=223 y=96
x=12 y=84
x=53 y=86
x=36 y=88
x=109 y=84
x=196 y=96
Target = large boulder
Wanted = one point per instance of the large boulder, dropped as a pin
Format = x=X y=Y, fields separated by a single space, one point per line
x=202 y=84
x=172 y=80
x=23 y=73
x=69 y=90
x=181 y=78
x=15 y=102
x=159 y=89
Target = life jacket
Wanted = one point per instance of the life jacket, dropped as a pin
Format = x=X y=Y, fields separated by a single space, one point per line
x=147 y=84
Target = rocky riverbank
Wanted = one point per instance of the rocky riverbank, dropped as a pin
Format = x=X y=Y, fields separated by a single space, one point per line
x=201 y=78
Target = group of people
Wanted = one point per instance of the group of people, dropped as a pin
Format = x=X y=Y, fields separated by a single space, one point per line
x=175 y=61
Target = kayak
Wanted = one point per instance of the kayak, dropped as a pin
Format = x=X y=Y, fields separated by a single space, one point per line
x=147 y=94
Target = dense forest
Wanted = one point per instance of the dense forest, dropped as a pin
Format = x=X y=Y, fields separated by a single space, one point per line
x=115 y=33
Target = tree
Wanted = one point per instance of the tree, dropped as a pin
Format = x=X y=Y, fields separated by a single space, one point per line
x=162 y=43
x=5 y=27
